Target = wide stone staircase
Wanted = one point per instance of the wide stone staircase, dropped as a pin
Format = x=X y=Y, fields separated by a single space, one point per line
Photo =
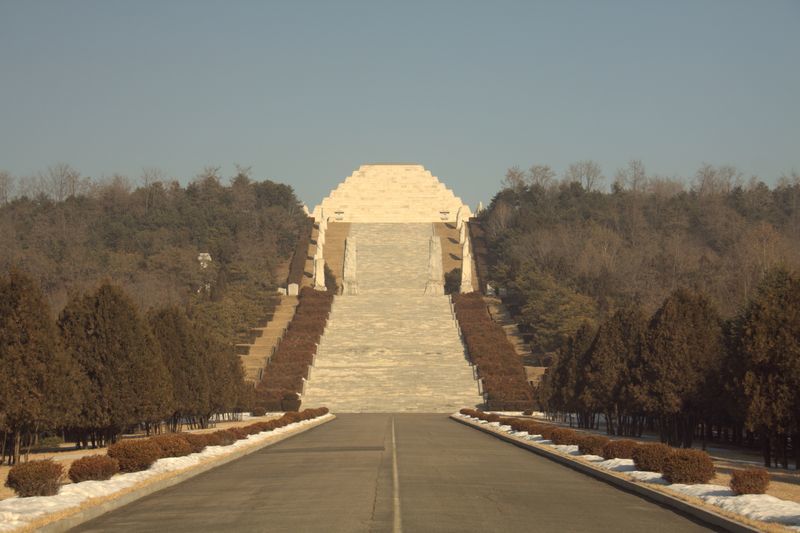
x=391 y=348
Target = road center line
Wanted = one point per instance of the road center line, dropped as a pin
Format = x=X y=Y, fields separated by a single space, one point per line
x=397 y=527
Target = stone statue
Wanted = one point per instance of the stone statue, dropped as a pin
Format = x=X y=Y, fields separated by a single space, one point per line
x=480 y=207
x=462 y=236
x=319 y=274
x=350 y=260
x=460 y=217
x=435 y=285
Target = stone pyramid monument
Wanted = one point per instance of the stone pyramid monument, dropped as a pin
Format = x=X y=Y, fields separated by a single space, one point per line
x=398 y=192
x=390 y=347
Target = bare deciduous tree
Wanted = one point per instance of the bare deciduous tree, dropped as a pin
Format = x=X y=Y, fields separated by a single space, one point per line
x=541 y=175
x=6 y=186
x=632 y=178
x=587 y=173
x=514 y=179
x=63 y=181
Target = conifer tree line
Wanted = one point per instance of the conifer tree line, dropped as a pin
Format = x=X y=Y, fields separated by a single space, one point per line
x=104 y=368
x=687 y=374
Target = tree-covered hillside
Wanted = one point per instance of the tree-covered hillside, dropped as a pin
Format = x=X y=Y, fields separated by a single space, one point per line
x=568 y=252
x=71 y=234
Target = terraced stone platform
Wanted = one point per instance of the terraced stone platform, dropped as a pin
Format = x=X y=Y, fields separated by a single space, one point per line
x=391 y=348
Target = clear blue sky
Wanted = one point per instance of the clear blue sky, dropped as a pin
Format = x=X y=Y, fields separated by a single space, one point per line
x=305 y=91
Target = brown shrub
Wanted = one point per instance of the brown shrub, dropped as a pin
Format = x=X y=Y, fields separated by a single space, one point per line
x=527 y=412
x=258 y=411
x=224 y=437
x=212 y=439
x=619 y=449
x=291 y=417
x=749 y=481
x=651 y=457
x=240 y=433
x=197 y=441
x=592 y=444
x=35 y=478
x=93 y=468
x=563 y=436
x=546 y=431
x=688 y=466
x=135 y=455
x=491 y=417
x=172 y=445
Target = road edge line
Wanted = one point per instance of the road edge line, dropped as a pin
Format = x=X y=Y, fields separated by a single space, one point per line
x=705 y=515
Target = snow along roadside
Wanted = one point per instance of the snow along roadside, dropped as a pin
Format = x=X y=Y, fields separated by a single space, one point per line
x=79 y=502
x=758 y=507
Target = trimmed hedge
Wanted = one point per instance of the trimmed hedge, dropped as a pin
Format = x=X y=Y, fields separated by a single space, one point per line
x=651 y=457
x=93 y=468
x=592 y=444
x=197 y=441
x=135 y=455
x=499 y=366
x=618 y=449
x=749 y=481
x=688 y=466
x=35 y=478
x=564 y=436
x=283 y=376
x=172 y=445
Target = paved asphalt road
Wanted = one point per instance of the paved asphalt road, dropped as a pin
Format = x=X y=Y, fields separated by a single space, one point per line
x=339 y=477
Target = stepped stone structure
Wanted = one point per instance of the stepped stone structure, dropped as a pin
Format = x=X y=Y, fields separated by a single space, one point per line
x=390 y=345
x=392 y=193
x=391 y=348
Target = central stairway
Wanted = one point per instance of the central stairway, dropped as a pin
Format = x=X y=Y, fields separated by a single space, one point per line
x=391 y=348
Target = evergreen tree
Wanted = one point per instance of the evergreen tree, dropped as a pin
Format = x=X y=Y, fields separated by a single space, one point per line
x=187 y=364
x=685 y=356
x=613 y=375
x=768 y=341
x=38 y=386
x=129 y=383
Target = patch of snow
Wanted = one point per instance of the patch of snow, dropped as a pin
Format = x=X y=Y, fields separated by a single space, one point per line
x=17 y=512
x=571 y=449
x=618 y=465
x=591 y=457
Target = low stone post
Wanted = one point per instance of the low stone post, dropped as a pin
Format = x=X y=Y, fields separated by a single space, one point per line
x=350 y=266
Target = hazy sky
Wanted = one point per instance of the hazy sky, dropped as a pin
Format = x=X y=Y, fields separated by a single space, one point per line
x=305 y=92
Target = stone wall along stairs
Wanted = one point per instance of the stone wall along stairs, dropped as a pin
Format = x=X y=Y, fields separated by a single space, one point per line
x=391 y=348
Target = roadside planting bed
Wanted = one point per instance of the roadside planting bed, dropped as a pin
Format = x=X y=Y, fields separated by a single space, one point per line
x=682 y=472
x=130 y=465
x=498 y=364
x=282 y=384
